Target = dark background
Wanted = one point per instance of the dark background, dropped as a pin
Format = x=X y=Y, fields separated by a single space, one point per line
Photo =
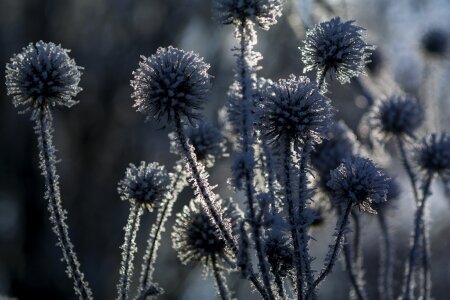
x=98 y=137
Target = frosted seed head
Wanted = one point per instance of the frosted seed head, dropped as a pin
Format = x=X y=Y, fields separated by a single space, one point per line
x=264 y=13
x=170 y=83
x=42 y=76
x=359 y=181
x=146 y=184
x=433 y=155
x=337 y=48
x=295 y=110
x=435 y=42
x=397 y=116
x=393 y=193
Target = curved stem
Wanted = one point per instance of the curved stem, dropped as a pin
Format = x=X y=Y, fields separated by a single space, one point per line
x=220 y=280
x=58 y=216
x=385 y=278
x=408 y=169
x=334 y=250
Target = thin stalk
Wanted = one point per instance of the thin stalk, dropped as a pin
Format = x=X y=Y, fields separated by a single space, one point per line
x=280 y=286
x=129 y=249
x=349 y=262
x=334 y=249
x=58 y=216
x=220 y=280
x=425 y=260
x=408 y=169
x=386 y=271
x=356 y=236
x=418 y=220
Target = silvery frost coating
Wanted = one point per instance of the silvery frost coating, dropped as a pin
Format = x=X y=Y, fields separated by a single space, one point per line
x=264 y=13
x=294 y=109
x=146 y=184
x=196 y=238
x=170 y=83
x=433 y=155
x=336 y=48
x=359 y=181
x=398 y=116
x=42 y=76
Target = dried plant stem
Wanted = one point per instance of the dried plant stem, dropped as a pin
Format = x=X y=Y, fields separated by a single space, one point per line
x=129 y=249
x=349 y=263
x=334 y=249
x=201 y=184
x=386 y=270
x=58 y=215
x=353 y=259
x=220 y=280
x=408 y=169
x=408 y=287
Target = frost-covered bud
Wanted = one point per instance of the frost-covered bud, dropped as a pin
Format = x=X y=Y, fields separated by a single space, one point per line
x=435 y=42
x=171 y=83
x=146 y=184
x=295 y=110
x=339 y=143
x=433 y=155
x=42 y=76
x=196 y=238
x=398 y=116
x=359 y=181
x=264 y=13
x=278 y=247
x=336 y=48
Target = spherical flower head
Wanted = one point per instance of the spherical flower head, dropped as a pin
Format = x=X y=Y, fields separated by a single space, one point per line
x=42 y=76
x=295 y=110
x=359 y=181
x=433 y=155
x=146 y=184
x=195 y=236
x=336 y=48
x=435 y=42
x=264 y=13
x=398 y=116
x=169 y=84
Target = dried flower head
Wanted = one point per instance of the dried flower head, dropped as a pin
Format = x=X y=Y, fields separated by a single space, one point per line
x=146 y=184
x=336 y=48
x=359 y=181
x=398 y=116
x=294 y=109
x=195 y=236
x=170 y=83
x=393 y=193
x=433 y=155
x=435 y=42
x=42 y=76
x=264 y=13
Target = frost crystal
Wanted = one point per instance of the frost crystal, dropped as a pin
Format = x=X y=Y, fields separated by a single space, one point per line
x=396 y=116
x=171 y=83
x=146 y=184
x=42 y=76
x=433 y=155
x=358 y=180
x=264 y=13
x=295 y=110
x=336 y=48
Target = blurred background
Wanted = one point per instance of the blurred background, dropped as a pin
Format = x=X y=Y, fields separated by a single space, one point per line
x=98 y=137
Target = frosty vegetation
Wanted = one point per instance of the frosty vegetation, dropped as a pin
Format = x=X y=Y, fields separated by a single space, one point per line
x=292 y=161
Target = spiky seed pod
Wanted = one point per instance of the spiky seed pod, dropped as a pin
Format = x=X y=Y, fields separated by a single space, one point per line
x=146 y=184
x=42 y=76
x=336 y=48
x=359 y=181
x=169 y=83
x=339 y=143
x=295 y=110
x=195 y=237
x=433 y=155
x=398 y=116
x=263 y=13
x=435 y=42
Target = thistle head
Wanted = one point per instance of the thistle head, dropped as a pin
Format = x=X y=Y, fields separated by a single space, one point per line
x=359 y=181
x=146 y=184
x=42 y=76
x=398 y=116
x=433 y=155
x=435 y=42
x=170 y=84
x=295 y=110
x=337 y=49
x=195 y=236
x=263 y=13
